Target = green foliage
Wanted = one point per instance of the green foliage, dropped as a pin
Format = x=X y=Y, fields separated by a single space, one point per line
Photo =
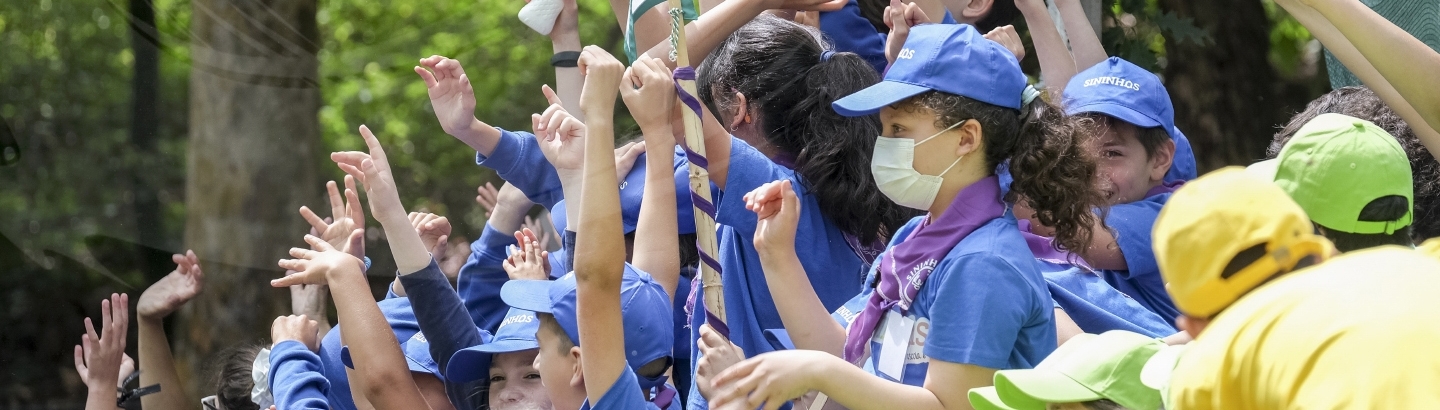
x=1138 y=30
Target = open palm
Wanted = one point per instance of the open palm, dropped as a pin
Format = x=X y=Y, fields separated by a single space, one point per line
x=451 y=95
x=173 y=290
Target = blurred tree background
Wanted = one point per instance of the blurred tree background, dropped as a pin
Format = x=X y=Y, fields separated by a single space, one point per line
x=99 y=108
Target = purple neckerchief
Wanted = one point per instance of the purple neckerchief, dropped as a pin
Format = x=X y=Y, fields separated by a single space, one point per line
x=664 y=397
x=910 y=262
x=1164 y=188
x=1044 y=248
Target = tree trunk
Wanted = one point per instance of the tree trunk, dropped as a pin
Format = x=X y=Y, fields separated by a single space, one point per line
x=1228 y=99
x=254 y=133
x=144 y=130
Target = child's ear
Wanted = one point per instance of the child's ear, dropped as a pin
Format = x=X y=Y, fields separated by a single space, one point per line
x=742 y=111
x=577 y=379
x=1162 y=159
x=977 y=9
x=972 y=137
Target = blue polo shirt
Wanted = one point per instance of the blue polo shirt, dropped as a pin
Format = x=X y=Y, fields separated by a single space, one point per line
x=1132 y=224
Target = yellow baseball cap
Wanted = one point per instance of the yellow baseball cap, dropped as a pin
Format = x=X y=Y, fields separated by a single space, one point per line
x=1213 y=219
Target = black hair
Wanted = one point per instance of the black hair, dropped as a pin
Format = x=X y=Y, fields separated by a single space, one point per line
x=1150 y=137
x=1362 y=103
x=548 y=324
x=233 y=378
x=1002 y=12
x=777 y=65
x=1045 y=149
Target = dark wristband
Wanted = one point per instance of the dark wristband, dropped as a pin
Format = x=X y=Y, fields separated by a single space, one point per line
x=565 y=59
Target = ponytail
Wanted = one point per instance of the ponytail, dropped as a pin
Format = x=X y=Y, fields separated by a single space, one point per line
x=1052 y=171
x=789 y=80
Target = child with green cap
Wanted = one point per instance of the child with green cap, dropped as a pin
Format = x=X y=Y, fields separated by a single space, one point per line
x=1088 y=372
x=1351 y=177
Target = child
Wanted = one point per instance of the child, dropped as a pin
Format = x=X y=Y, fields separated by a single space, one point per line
x=1088 y=372
x=513 y=380
x=1363 y=103
x=1142 y=158
x=1271 y=330
x=617 y=343
x=958 y=289
x=1350 y=177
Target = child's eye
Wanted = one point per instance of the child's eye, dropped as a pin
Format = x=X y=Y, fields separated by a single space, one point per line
x=497 y=379
x=532 y=376
x=1110 y=154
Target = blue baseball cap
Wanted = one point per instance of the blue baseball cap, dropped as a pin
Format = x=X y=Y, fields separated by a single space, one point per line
x=413 y=343
x=1122 y=90
x=515 y=334
x=632 y=191
x=645 y=309
x=949 y=58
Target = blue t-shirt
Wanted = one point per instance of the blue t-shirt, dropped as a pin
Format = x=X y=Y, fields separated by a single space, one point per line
x=850 y=31
x=985 y=304
x=295 y=378
x=518 y=160
x=482 y=276
x=1132 y=224
x=1096 y=306
x=625 y=394
x=834 y=270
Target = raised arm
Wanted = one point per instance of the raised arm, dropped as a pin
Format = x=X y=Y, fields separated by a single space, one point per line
x=599 y=248
x=157 y=302
x=650 y=95
x=296 y=379
x=453 y=99
x=1056 y=64
x=380 y=366
x=1084 y=42
x=1367 y=66
x=566 y=37
x=705 y=33
x=809 y=324
x=98 y=356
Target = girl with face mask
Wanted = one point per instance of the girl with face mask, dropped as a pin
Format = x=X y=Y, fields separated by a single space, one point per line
x=957 y=294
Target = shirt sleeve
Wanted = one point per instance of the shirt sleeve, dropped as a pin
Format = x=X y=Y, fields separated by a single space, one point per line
x=980 y=307
x=749 y=169
x=482 y=276
x=440 y=313
x=518 y=160
x=1132 y=223
x=296 y=380
x=625 y=394
x=853 y=33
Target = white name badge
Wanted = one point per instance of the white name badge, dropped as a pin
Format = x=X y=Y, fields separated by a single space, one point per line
x=894 y=345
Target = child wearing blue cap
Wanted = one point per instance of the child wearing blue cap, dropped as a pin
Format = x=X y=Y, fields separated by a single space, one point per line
x=957 y=294
x=1142 y=158
x=513 y=348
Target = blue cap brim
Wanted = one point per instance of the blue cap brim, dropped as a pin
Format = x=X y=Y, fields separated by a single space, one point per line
x=409 y=362
x=1118 y=111
x=467 y=365
x=873 y=98
x=531 y=295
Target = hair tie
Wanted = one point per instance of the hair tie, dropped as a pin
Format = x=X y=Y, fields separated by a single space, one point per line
x=825 y=55
x=1028 y=96
x=260 y=374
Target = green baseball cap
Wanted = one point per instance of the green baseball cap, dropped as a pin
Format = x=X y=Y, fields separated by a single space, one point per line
x=1335 y=165
x=1104 y=366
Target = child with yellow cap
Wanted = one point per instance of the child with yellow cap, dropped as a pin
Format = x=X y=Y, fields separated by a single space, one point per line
x=1274 y=332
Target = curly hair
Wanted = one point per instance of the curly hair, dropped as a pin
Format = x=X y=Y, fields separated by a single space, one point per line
x=1362 y=103
x=777 y=65
x=1045 y=149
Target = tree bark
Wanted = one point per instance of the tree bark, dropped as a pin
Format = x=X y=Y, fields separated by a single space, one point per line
x=254 y=135
x=144 y=130
x=1228 y=99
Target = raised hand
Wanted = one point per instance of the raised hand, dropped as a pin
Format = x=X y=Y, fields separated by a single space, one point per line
x=717 y=355
x=488 y=197
x=602 y=80
x=298 y=328
x=312 y=266
x=173 y=290
x=99 y=355
x=373 y=170
x=434 y=232
x=560 y=135
x=544 y=236
x=529 y=260
x=649 y=92
x=1006 y=36
x=451 y=95
x=345 y=216
x=625 y=157
x=900 y=17
x=778 y=212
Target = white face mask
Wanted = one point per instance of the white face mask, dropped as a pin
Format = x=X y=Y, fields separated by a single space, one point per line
x=893 y=166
